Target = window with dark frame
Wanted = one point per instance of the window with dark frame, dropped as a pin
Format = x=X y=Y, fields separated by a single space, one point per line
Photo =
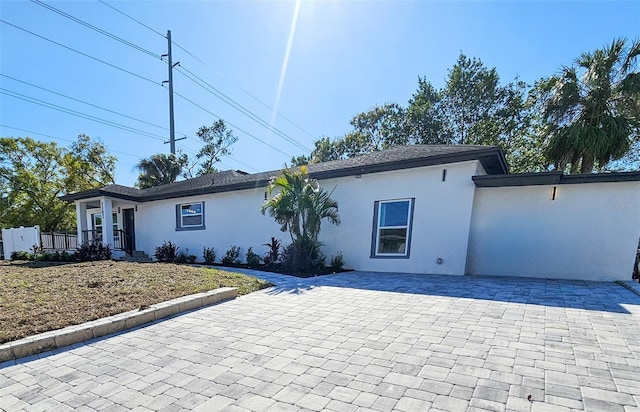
x=392 y=228
x=190 y=216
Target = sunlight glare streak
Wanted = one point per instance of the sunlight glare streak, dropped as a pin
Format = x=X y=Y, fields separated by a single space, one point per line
x=285 y=63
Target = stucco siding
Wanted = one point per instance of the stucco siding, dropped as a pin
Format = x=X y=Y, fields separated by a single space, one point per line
x=441 y=220
x=231 y=218
x=590 y=231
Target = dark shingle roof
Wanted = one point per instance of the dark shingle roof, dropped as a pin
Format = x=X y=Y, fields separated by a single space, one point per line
x=396 y=158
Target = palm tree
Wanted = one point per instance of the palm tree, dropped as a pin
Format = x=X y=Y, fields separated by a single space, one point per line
x=300 y=205
x=592 y=109
x=160 y=169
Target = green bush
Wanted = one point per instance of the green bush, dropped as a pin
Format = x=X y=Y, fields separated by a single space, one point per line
x=185 y=257
x=232 y=257
x=22 y=255
x=337 y=261
x=92 y=251
x=253 y=259
x=303 y=256
x=209 y=255
x=167 y=252
x=274 y=254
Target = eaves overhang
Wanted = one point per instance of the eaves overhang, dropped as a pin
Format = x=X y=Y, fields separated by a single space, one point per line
x=552 y=178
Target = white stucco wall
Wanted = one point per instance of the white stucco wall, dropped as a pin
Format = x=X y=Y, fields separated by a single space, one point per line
x=590 y=231
x=231 y=218
x=442 y=216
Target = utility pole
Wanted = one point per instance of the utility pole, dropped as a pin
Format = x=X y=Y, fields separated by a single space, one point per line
x=172 y=131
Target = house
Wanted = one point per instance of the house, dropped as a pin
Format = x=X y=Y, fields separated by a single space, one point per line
x=452 y=210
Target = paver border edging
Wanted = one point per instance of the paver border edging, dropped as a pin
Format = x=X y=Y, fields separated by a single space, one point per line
x=70 y=335
x=632 y=286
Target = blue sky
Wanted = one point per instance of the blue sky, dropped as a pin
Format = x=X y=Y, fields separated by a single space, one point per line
x=344 y=58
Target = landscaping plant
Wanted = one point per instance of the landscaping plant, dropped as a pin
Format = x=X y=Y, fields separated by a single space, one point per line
x=232 y=257
x=167 y=252
x=208 y=255
x=299 y=204
x=337 y=261
x=253 y=259
x=274 y=254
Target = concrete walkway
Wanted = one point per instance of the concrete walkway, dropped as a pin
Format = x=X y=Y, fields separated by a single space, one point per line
x=360 y=341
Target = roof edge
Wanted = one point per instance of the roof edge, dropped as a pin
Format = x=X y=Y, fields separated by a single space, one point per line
x=552 y=178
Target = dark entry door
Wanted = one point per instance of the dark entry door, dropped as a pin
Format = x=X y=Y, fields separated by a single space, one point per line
x=129 y=230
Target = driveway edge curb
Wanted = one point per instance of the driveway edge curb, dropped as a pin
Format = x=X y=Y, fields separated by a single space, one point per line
x=33 y=345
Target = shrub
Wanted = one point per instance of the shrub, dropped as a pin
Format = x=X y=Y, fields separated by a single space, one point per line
x=22 y=255
x=232 y=256
x=274 y=254
x=303 y=256
x=185 y=257
x=253 y=259
x=337 y=261
x=91 y=251
x=167 y=252
x=209 y=255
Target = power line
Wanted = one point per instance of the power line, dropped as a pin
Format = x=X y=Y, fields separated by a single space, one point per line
x=80 y=114
x=97 y=29
x=232 y=125
x=81 y=53
x=61 y=139
x=195 y=57
x=83 y=102
x=208 y=87
x=150 y=28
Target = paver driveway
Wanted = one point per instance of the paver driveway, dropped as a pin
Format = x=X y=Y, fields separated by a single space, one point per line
x=360 y=341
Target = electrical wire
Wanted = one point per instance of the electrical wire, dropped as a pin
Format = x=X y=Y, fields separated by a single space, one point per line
x=152 y=29
x=83 y=102
x=208 y=87
x=231 y=124
x=61 y=139
x=97 y=29
x=80 y=114
x=195 y=57
x=81 y=53
x=106 y=122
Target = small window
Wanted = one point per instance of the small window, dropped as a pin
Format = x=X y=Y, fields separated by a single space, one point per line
x=190 y=216
x=392 y=228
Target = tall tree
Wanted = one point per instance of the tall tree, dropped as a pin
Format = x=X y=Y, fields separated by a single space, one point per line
x=425 y=118
x=34 y=174
x=217 y=140
x=160 y=169
x=592 y=108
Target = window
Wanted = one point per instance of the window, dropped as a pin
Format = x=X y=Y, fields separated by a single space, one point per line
x=190 y=216
x=392 y=228
x=97 y=224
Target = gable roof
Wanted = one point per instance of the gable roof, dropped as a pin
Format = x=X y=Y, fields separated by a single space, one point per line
x=395 y=158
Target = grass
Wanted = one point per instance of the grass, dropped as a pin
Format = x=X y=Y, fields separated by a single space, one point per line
x=36 y=297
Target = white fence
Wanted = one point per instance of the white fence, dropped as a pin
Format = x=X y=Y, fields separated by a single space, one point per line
x=19 y=239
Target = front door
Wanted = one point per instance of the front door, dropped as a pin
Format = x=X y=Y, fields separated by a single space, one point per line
x=129 y=227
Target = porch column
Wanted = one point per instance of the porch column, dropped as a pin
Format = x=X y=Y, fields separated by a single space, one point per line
x=107 y=222
x=81 y=220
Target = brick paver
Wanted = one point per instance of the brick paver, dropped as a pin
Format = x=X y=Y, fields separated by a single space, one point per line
x=360 y=341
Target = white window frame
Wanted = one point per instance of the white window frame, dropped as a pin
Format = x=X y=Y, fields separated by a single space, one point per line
x=377 y=229
x=180 y=225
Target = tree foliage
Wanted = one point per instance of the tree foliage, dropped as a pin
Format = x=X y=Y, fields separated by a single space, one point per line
x=473 y=108
x=592 y=108
x=299 y=205
x=160 y=169
x=33 y=174
x=217 y=140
